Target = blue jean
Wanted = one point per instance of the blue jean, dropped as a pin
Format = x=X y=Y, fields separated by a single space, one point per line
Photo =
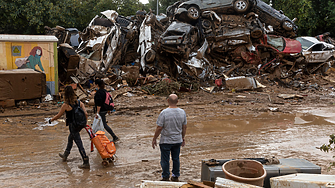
x=107 y=128
x=166 y=149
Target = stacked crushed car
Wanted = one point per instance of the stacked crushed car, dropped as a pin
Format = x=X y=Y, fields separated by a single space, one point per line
x=198 y=41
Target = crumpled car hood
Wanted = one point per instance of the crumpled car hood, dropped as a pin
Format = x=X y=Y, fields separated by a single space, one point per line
x=179 y=27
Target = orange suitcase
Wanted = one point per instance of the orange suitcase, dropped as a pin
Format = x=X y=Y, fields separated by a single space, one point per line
x=105 y=147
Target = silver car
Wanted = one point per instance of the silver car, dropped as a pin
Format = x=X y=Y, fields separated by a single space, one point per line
x=195 y=7
x=179 y=38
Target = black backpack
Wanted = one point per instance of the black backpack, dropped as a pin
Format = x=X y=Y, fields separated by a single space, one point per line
x=78 y=116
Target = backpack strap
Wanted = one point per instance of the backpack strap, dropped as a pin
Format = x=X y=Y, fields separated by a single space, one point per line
x=72 y=106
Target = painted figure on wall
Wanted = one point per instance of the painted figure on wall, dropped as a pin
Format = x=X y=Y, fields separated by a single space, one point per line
x=31 y=61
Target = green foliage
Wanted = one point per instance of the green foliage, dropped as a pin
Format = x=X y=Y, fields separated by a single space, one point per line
x=128 y=7
x=30 y=16
x=314 y=16
x=163 y=4
x=329 y=147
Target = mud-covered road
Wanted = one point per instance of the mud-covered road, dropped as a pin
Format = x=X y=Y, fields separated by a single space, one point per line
x=220 y=126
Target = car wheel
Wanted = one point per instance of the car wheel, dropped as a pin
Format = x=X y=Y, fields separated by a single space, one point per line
x=252 y=71
x=193 y=13
x=287 y=25
x=206 y=24
x=241 y=6
x=324 y=68
x=150 y=56
x=329 y=63
x=256 y=33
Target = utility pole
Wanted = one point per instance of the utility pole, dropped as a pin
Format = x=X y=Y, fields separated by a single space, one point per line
x=157 y=8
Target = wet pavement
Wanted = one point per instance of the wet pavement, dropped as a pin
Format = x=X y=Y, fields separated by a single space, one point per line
x=29 y=151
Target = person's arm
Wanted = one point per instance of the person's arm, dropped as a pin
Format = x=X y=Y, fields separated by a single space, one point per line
x=60 y=113
x=29 y=63
x=40 y=65
x=98 y=111
x=84 y=109
x=98 y=102
x=157 y=133
x=183 y=133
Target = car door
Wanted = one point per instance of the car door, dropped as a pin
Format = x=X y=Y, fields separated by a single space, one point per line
x=216 y=3
x=317 y=54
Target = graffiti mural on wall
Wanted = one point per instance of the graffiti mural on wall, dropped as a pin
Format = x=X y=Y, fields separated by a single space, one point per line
x=31 y=61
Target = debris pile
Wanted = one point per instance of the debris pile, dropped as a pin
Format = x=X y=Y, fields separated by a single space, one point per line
x=193 y=44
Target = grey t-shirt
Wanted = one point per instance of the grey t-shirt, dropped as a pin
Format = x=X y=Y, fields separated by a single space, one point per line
x=172 y=121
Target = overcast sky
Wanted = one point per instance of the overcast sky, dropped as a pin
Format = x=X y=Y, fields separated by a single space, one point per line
x=144 y=1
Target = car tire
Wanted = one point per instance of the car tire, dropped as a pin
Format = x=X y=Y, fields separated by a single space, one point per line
x=206 y=24
x=326 y=66
x=256 y=33
x=150 y=56
x=287 y=25
x=193 y=12
x=241 y=6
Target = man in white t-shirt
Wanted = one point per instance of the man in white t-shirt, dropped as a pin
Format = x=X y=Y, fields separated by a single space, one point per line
x=171 y=125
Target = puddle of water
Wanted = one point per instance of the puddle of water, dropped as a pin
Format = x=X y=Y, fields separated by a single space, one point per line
x=239 y=123
x=267 y=134
x=46 y=123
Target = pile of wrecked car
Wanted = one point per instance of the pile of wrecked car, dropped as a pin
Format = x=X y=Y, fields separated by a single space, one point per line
x=195 y=42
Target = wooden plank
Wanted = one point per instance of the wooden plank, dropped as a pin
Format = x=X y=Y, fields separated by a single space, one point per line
x=198 y=184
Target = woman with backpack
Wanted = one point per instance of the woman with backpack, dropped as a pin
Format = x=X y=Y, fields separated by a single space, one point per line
x=69 y=106
x=100 y=108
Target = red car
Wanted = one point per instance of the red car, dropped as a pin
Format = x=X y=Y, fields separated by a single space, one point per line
x=271 y=47
x=271 y=52
x=284 y=45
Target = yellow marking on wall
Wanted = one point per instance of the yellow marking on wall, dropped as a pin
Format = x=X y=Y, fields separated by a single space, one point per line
x=9 y=55
x=3 y=60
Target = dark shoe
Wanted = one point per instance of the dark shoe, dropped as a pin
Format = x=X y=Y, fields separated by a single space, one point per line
x=86 y=164
x=165 y=179
x=115 y=139
x=174 y=179
x=64 y=155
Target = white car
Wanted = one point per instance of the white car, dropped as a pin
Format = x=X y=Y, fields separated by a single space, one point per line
x=316 y=51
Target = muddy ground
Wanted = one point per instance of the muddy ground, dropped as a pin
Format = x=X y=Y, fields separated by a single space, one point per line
x=223 y=125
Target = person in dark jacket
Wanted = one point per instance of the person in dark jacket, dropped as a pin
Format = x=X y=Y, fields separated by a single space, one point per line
x=71 y=100
x=99 y=100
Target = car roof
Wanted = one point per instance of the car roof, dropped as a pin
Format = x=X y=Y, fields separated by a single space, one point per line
x=179 y=26
x=316 y=41
x=71 y=29
x=311 y=39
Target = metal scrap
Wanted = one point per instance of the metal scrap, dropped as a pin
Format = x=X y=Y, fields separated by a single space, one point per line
x=200 y=51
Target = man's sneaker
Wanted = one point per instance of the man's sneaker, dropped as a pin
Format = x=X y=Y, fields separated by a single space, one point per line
x=116 y=139
x=165 y=179
x=174 y=179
